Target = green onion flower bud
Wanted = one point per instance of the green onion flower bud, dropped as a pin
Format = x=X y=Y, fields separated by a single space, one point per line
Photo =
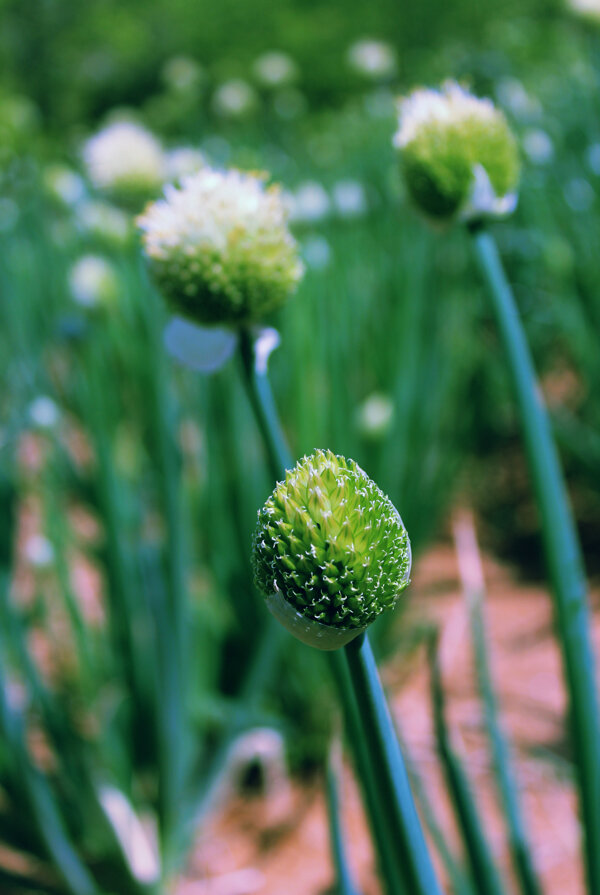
x=330 y=551
x=219 y=247
x=459 y=157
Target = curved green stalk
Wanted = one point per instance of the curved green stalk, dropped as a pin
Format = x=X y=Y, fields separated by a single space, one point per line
x=562 y=551
x=396 y=828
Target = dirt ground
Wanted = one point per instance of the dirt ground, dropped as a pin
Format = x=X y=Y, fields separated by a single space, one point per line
x=278 y=843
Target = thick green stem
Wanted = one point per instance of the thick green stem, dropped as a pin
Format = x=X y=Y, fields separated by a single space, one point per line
x=392 y=782
x=375 y=791
x=562 y=551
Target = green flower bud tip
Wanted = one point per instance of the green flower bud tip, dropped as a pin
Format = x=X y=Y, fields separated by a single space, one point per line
x=219 y=247
x=459 y=157
x=330 y=551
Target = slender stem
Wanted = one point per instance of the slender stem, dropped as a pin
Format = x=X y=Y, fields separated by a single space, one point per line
x=483 y=869
x=280 y=459
x=562 y=551
x=263 y=405
x=345 y=885
x=392 y=780
x=471 y=573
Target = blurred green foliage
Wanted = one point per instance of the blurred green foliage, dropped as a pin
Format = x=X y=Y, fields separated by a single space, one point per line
x=168 y=464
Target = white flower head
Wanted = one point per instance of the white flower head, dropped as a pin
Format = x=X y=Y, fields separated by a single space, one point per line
x=234 y=99
x=93 y=281
x=126 y=161
x=459 y=156
x=219 y=247
x=275 y=69
x=373 y=59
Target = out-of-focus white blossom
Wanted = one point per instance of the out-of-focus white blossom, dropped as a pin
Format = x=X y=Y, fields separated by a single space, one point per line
x=93 y=281
x=126 y=161
x=234 y=99
x=43 y=412
x=458 y=154
x=104 y=221
x=587 y=9
x=349 y=198
x=579 y=194
x=375 y=415
x=373 y=59
x=219 y=247
x=316 y=252
x=538 y=146
x=275 y=69
x=513 y=95
x=309 y=203
x=64 y=185
x=38 y=552
x=183 y=161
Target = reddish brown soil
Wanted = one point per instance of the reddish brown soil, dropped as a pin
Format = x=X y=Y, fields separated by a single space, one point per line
x=278 y=844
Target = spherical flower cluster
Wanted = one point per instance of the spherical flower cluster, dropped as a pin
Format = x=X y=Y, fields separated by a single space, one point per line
x=459 y=156
x=219 y=247
x=125 y=161
x=331 y=545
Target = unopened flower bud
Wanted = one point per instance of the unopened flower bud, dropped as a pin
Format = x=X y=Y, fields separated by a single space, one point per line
x=459 y=156
x=330 y=551
x=219 y=247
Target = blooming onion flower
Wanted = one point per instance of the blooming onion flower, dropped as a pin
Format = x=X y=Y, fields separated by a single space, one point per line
x=459 y=156
x=221 y=254
x=125 y=161
x=330 y=550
